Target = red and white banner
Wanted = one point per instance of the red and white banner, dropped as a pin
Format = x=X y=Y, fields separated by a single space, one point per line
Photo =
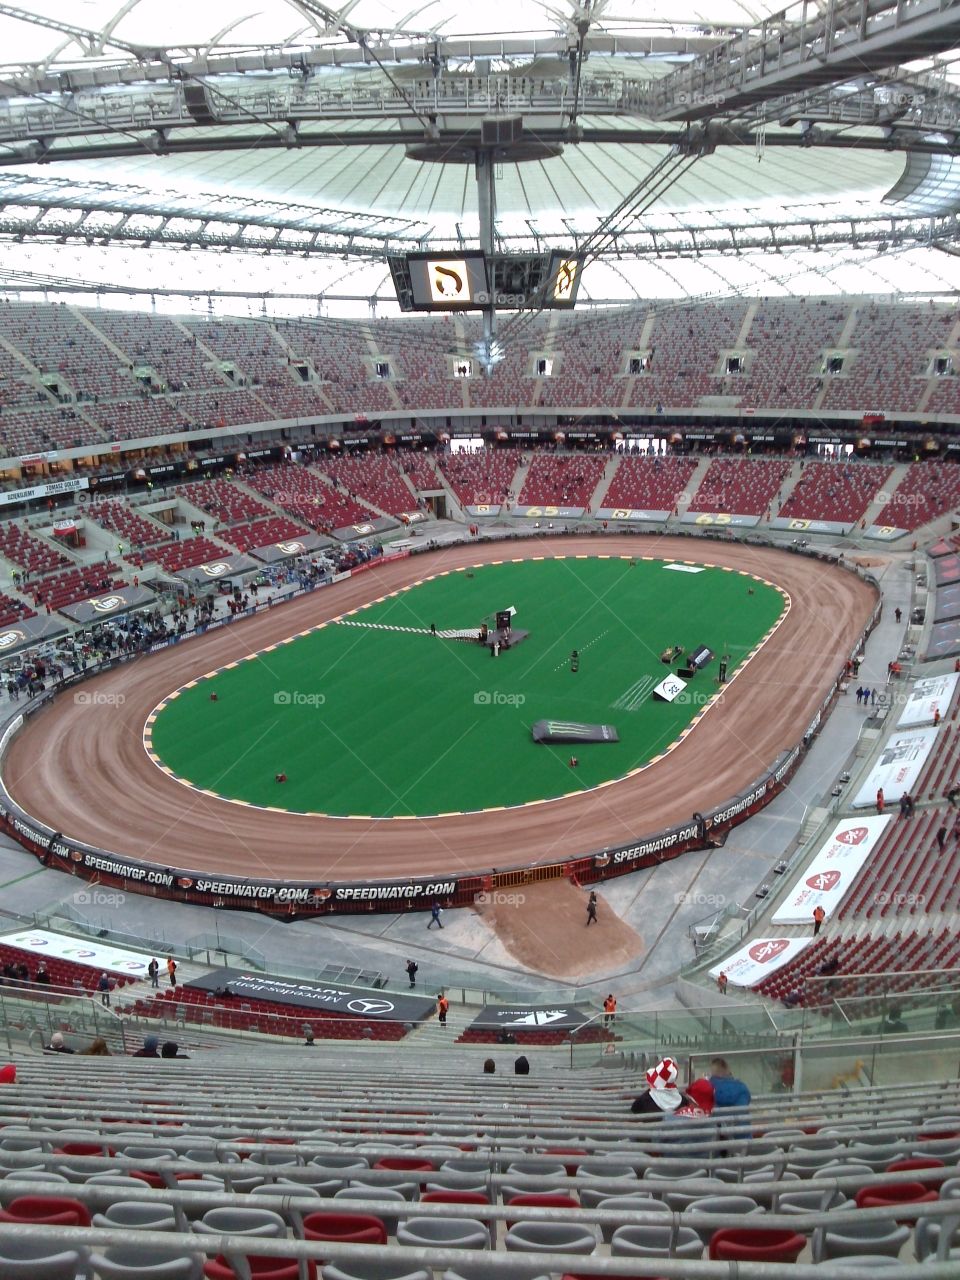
x=832 y=871
x=901 y=762
x=758 y=959
x=86 y=951
x=927 y=697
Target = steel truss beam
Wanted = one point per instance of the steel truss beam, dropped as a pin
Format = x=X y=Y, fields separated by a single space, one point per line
x=831 y=42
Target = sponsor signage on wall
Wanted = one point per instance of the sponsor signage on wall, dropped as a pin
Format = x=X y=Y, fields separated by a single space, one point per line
x=833 y=870
x=758 y=959
x=928 y=698
x=11 y=496
x=86 y=951
x=351 y=1002
x=901 y=760
x=528 y=1018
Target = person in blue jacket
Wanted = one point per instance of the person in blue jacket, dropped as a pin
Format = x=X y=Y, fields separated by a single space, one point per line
x=728 y=1091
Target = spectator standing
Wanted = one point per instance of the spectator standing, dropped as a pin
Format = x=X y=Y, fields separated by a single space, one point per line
x=819 y=915
x=412 y=968
x=172 y=970
x=103 y=986
x=443 y=1004
x=153 y=972
x=592 y=908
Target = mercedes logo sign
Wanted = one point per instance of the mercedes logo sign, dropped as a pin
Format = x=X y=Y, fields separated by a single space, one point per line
x=370 y=1007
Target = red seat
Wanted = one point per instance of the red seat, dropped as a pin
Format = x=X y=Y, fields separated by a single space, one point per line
x=454 y=1197
x=352 y=1228
x=567 y=1151
x=409 y=1163
x=261 y=1268
x=886 y=1195
x=755 y=1244
x=47 y=1211
x=542 y=1200
x=903 y=1166
x=84 y=1149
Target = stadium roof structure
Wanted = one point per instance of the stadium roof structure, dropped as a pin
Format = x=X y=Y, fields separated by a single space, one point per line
x=651 y=139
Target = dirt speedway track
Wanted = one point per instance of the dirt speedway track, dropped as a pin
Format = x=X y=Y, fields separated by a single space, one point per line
x=83 y=770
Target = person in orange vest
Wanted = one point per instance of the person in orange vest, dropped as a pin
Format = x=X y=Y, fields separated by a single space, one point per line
x=880 y=800
x=609 y=1009
x=172 y=970
x=819 y=915
x=722 y=982
x=443 y=1004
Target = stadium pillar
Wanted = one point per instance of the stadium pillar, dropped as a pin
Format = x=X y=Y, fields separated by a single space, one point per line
x=487 y=208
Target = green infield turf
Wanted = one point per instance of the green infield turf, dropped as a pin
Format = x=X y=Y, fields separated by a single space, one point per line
x=371 y=720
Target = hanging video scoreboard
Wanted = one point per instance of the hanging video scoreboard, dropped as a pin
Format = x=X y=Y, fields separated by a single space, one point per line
x=470 y=280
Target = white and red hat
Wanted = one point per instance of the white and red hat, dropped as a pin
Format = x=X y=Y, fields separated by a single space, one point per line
x=662 y=1080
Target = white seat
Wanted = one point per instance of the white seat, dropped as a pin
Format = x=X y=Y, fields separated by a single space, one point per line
x=656 y=1242
x=128 y=1262
x=137 y=1215
x=444 y=1233
x=35 y=1260
x=242 y=1222
x=861 y=1237
x=550 y=1237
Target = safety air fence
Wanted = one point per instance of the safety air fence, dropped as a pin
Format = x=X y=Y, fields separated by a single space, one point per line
x=289 y=899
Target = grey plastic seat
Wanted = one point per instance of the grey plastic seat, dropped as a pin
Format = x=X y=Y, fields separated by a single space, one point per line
x=384 y=1194
x=550 y=1237
x=282 y=1188
x=808 y=1163
x=148 y=1152
x=137 y=1215
x=856 y=1238
x=128 y=1262
x=444 y=1233
x=865 y=1260
x=927 y=1239
x=372 y=1271
x=876 y=1155
x=655 y=1242
x=409 y=1190
x=607 y=1171
x=536 y=1169
x=242 y=1222
x=456 y=1182
x=728 y=1206
x=592 y=1194
x=32 y=1175
x=628 y=1204
x=210 y=1155
x=675 y=1170
x=117 y=1180
x=679 y=1200
x=36 y=1260
x=812 y=1201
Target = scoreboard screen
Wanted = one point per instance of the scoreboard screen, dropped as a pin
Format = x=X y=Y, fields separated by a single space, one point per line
x=447 y=281
x=563 y=279
x=468 y=279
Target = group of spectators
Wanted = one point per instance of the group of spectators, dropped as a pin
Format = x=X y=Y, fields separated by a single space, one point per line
x=99 y=1048
x=663 y=1099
